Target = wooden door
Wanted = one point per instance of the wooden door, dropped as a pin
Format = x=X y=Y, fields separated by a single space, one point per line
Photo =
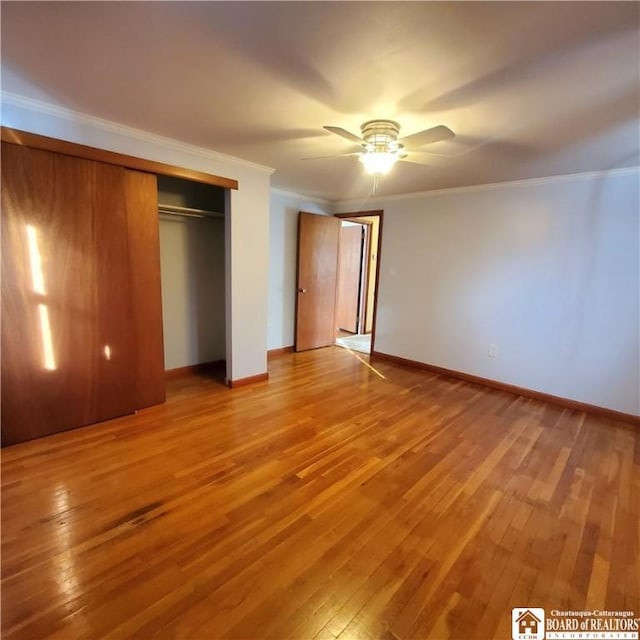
x=141 y=195
x=70 y=322
x=318 y=240
x=349 y=277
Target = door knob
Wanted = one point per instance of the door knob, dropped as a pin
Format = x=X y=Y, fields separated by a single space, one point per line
x=301 y=290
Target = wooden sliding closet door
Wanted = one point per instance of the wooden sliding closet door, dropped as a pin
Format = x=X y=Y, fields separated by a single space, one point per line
x=70 y=318
x=141 y=193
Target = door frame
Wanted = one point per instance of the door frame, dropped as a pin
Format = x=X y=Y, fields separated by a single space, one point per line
x=379 y=213
x=365 y=279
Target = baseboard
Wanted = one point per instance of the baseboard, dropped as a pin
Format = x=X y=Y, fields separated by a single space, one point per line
x=241 y=382
x=170 y=374
x=281 y=350
x=520 y=391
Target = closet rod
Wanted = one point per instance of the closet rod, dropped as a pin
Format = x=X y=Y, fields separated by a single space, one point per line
x=188 y=212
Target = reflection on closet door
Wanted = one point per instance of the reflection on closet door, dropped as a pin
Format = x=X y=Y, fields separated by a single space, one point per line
x=68 y=352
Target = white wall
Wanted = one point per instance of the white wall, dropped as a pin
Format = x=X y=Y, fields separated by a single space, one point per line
x=248 y=222
x=547 y=270
x=193 y=297
x=283 y=240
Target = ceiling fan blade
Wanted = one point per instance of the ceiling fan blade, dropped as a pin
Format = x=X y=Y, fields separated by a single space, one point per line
x=339 y=155
x=435 y=134
x=343 y=133
x=414 y=161
x=446 y=156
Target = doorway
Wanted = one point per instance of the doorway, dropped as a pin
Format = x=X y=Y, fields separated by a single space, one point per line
x=357 y=279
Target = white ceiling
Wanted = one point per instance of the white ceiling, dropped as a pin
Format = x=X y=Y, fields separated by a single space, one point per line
x=530 y=89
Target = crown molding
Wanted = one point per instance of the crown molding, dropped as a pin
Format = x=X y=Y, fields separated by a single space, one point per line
x=493 y=186
x=38 y=106
x=301 y=196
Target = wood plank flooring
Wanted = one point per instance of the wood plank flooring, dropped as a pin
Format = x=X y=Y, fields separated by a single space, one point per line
x=328 y=502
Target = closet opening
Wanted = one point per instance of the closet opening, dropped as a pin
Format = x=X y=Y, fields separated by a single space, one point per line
x=192 y=265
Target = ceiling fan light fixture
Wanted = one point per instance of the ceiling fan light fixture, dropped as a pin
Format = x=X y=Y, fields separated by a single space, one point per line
x=381 y=147
x=378 y=162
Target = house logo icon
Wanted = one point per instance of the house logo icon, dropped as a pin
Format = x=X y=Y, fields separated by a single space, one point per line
x=527 y=623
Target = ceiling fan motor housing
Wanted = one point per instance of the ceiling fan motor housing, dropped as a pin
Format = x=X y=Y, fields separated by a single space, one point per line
x=381 y=135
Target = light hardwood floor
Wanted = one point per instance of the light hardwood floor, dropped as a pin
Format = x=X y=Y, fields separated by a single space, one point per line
x=327 y=502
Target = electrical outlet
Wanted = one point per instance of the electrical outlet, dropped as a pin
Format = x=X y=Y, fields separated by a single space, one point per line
x=493 y=350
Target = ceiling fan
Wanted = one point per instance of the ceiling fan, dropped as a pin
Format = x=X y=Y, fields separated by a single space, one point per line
x=381 y=148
